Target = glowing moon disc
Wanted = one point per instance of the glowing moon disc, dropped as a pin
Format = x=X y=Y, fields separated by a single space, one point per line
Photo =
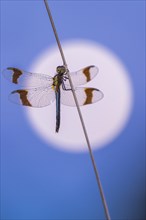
x=105 y=119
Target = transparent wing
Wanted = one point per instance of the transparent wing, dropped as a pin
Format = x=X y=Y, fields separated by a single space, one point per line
x=28 y=79
x=82 y=76
x=84 y=95
x=35 y=97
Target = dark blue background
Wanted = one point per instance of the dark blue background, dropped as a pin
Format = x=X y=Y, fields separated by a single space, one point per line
x=40 y=182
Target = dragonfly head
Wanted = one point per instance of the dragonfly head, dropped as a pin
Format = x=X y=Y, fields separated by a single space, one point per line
x=61 y=70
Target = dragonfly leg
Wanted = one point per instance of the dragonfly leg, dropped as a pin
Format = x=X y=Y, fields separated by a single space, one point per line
x=64 y=88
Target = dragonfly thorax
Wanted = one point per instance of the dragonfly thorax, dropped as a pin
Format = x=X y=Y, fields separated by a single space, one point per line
x=58 y=78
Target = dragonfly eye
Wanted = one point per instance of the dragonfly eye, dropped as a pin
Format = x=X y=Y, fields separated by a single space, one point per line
x=61 y=69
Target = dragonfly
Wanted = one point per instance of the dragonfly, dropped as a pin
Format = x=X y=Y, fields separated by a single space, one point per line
x=41 y=90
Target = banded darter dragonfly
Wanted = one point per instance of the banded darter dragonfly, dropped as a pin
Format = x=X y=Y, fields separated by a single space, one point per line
x=48 y=89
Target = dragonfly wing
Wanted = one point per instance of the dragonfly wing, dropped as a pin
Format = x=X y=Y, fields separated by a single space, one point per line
x=35 y=97
x=82 y=76
x=28 y=79
x=84 y=95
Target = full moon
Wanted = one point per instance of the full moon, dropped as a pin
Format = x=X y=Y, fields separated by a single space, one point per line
x=105 y=119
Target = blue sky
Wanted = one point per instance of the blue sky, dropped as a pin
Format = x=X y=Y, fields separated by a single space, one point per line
x=39 y=181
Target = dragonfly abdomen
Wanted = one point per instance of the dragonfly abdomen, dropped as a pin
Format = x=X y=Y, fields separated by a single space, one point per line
x=57 y=93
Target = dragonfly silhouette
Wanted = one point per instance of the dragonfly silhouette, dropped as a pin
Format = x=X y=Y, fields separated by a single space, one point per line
x=43 y=89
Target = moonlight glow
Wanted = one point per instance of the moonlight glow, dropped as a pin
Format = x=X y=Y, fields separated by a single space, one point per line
x=105 y=119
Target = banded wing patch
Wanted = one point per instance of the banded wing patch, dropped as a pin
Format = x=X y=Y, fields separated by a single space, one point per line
x=35 y=97
x=84 y=95
x=28 y=79
x=82 y=76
